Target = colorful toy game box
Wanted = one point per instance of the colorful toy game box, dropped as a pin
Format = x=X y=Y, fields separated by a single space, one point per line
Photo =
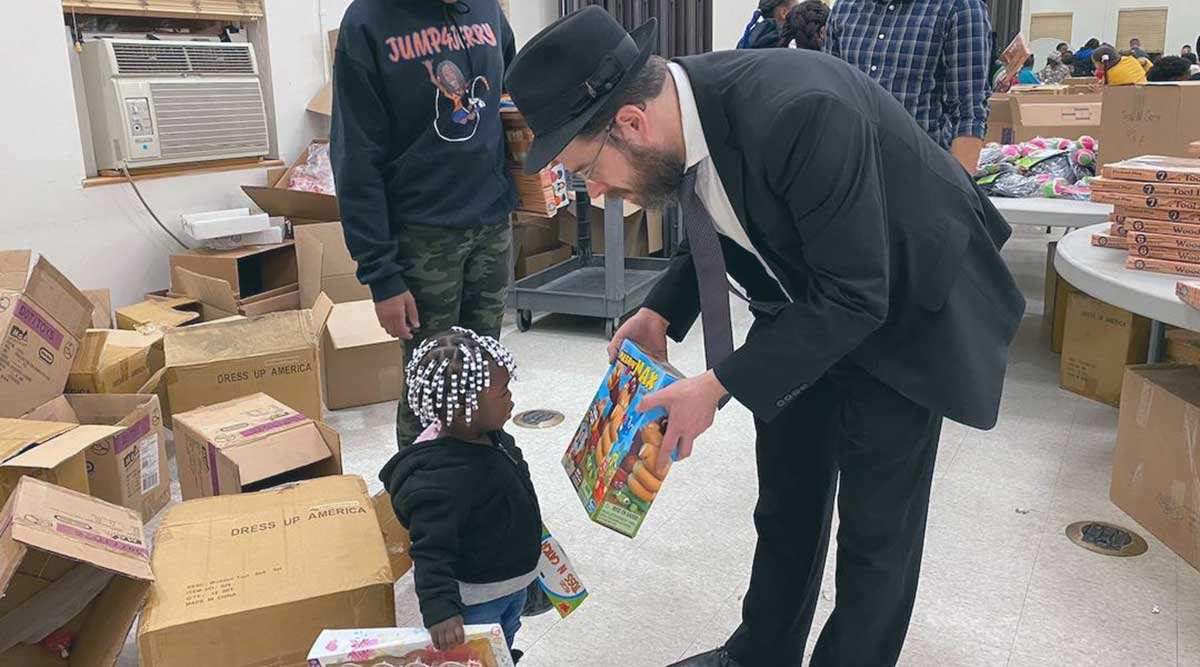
x=408 y=647
x=557 y=577
x=612 y=457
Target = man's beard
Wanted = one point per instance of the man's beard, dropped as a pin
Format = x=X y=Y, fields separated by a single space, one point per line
x=657 y=173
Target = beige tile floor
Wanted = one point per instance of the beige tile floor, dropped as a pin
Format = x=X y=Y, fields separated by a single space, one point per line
x=1001 y=584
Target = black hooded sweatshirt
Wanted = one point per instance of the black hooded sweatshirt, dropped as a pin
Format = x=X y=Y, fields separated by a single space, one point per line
x=471 y=512
x=416 y=137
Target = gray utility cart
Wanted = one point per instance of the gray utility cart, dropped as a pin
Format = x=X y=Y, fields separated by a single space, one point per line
x=608 y=286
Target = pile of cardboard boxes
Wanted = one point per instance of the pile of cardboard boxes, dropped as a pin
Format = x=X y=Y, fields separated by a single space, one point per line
x=238 y=357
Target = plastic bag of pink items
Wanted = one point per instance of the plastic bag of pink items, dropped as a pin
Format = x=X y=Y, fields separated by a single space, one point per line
x=315 y=174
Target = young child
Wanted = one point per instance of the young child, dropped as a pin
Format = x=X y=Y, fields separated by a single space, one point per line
x=463 y=490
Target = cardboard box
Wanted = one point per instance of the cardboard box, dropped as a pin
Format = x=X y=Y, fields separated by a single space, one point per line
x=1149 y=119
x=1155 y=471
x=527 y=266
x=641 y=238
x=220 y=224
x=129 y=468
x=1132 y=213
x=362 y=364
x=484 y=646
x=1099 y=341
x=247 y=281
x=1165 y=203
x=1165 y=241
x=50 y=451
x=115 y=361
x=1183 y=347
x=1114 y=241
x=1057 y=291
x=1052 y=116
x=322 y=102
x=1000 y=119
x=1167 y=253
x=249 y=444
x=277 y=200
x=102 y=313
x=325 y=265
x=276 y=354
x=1186 y=269
x=395 y=536
x=1188 y=293
x=612 y=456
x=41 y=323
x=1145 y=188
x=160 y=313
x=253 y=579
x=52 y=541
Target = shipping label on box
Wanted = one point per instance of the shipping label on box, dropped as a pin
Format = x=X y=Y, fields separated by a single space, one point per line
x=612 y=458
x=41 y=323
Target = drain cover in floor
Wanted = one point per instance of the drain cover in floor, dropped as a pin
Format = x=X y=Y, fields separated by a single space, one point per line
x=538 y=419
x=1107 y=539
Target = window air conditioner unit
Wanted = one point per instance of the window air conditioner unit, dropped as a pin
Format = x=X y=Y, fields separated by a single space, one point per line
x=157 y=102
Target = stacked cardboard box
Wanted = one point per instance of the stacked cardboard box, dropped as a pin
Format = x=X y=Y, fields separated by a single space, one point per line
x=542 y=193
x=1157 y=201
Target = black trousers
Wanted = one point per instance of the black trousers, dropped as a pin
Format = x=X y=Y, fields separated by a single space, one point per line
x=883 y=446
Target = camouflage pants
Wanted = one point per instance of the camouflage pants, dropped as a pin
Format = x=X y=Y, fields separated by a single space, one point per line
x=459 y=277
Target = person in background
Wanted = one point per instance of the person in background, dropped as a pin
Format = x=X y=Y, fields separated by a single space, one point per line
x=805 y=25
x=763 y=30
x=419 y=163
x=1055 y=72
x=940 y=75
x=1135 y=49
x=1083 y=59
x=1116 y=69
x=1062 y=48
x=1170 y=68
x=1026 y=77
x=1185 y=51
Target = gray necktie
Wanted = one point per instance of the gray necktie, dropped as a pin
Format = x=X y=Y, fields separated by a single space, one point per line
x=709 y=262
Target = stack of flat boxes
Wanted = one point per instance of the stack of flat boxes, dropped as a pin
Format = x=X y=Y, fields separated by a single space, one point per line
x=1157 y=216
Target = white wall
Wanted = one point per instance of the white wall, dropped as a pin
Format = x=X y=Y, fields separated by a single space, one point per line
x=1098 y=18
x=101 y=236
x=729 y=21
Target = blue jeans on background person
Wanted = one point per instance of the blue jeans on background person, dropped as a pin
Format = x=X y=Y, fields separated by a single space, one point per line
x=506 y=611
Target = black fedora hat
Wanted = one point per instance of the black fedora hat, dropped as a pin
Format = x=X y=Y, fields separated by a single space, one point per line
x=576 y=68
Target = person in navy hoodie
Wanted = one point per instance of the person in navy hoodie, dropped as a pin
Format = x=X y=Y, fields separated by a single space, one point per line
x=418 y=158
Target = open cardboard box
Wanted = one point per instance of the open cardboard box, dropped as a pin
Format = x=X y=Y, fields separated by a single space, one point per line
x=253 y=578
x=160 y=313
x=325 y=265
x=246 y=281
x=276 y=199
x=102 y=313
x=43 y=320
x=128 y=468
x=1150 y=119
x=276 y=354
x=362 y=364
x=249 y=444
x=115 y=361
x=48 y=534
x=51 y=451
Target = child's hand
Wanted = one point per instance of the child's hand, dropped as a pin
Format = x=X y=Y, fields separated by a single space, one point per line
x=448 y=633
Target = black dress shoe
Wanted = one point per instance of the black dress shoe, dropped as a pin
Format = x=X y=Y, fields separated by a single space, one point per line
x=717 y=657
x=517 y=654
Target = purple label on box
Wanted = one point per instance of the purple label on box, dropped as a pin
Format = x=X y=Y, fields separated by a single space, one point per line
x=129 y=436
x=102 y=541
x=35 y=321
x=272 y=425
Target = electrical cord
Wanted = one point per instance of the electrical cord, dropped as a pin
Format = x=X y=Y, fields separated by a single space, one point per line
x=136 y=191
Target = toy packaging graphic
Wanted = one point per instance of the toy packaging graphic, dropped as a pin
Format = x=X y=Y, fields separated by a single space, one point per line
x=557 y=577
x=611 y=458
x=408 y=647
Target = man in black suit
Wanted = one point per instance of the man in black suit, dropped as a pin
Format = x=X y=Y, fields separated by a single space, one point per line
x=871 y=263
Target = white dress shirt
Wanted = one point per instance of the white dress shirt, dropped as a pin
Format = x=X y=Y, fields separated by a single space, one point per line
x=708 y=183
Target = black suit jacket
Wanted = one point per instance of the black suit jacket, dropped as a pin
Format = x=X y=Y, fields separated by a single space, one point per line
x=889 y=252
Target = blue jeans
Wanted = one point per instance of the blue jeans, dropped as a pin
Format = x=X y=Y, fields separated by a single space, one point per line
x=506 y=611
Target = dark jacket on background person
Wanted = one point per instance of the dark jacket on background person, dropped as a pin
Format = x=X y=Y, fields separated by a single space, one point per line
x=890 y=254
x=764 y=35
x=472 y=513
x=416 y=137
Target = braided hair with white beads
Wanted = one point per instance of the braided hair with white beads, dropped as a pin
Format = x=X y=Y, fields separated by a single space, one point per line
x=447 y=372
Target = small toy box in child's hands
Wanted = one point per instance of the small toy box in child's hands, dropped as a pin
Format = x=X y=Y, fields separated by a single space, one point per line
x=388 y=647
x=612 y=458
